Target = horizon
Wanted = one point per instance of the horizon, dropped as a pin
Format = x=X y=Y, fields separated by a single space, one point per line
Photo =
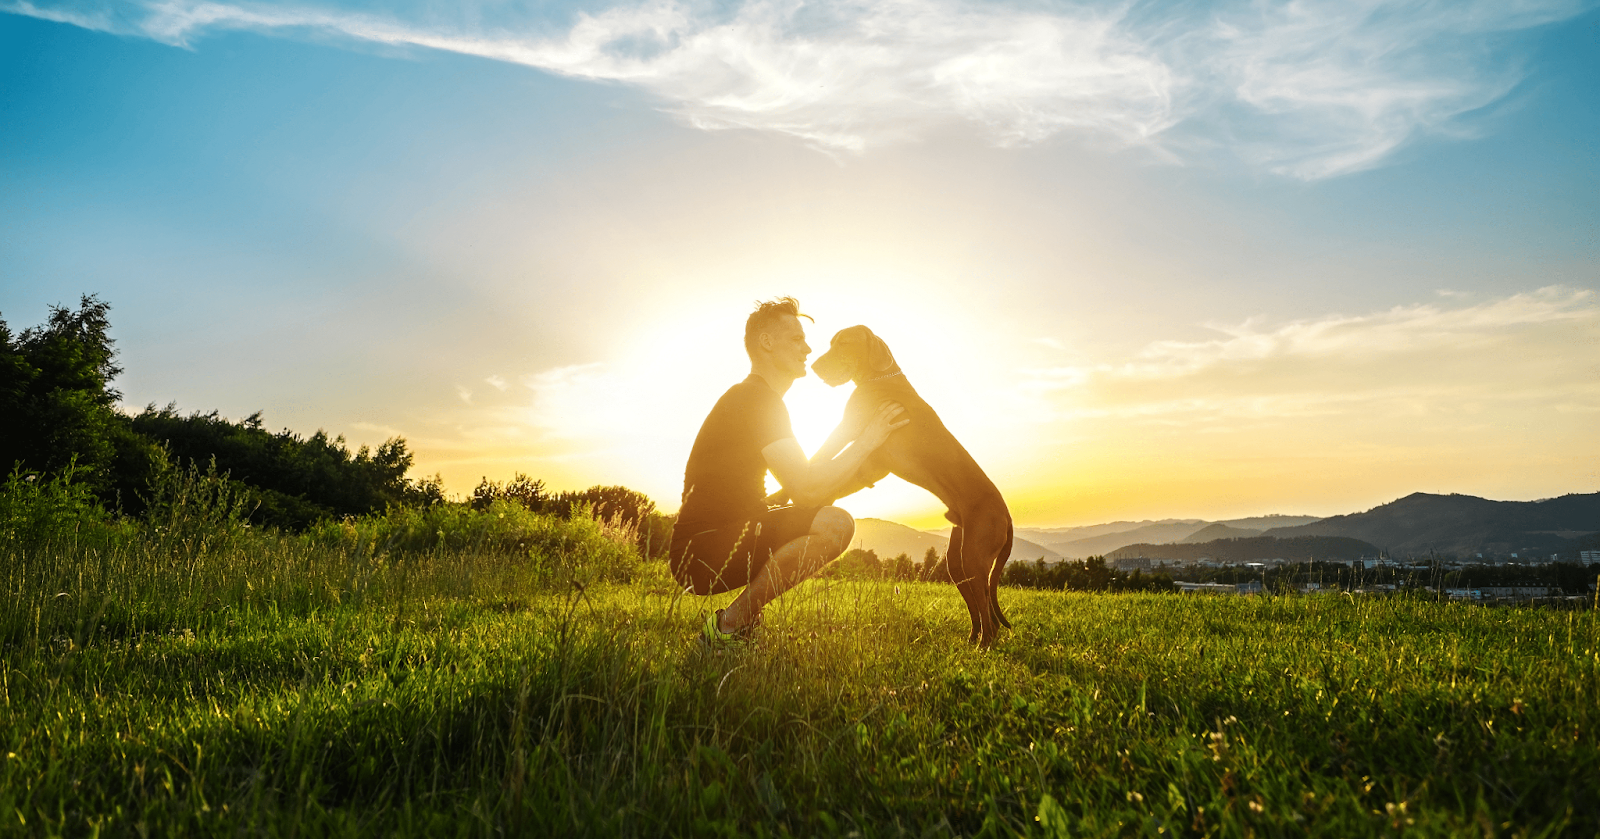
x=1162 y=261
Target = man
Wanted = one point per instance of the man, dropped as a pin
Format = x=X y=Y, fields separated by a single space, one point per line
x=726 y=537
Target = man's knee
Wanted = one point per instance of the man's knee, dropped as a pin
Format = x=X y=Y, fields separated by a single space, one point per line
x=835 y=527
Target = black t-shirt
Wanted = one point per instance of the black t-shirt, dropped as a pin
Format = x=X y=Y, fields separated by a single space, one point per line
x=725 y=481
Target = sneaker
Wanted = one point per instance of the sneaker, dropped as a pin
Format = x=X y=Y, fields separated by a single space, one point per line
x=712 y=637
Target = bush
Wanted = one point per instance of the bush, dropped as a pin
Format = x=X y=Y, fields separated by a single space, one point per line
x=615 y=505
x=190 y=511
x=37 y=510
x=582 y=548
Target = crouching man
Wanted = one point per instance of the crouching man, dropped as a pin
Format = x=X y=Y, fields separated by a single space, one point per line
x=726 y=537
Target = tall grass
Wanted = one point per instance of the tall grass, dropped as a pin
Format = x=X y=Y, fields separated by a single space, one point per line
x=371 y=679
x=70 y=570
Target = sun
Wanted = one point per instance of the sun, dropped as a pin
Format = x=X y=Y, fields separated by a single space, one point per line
x=815 y=410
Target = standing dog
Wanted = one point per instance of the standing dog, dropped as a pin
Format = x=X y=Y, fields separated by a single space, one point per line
x=928 y=455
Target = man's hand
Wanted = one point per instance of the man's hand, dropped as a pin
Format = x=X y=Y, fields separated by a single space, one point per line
x=884 y=423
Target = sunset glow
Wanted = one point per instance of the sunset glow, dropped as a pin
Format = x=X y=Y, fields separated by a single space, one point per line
x=1298 y=259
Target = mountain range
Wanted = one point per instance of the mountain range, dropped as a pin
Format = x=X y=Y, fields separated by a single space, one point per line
x=888 y=539
x=1463 y=525
x=1099 y=540
x=1251 y=548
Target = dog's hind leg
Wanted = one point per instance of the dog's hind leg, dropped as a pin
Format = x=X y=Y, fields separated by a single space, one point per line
x=982 y=540
x=955 y=565
x=996 y=573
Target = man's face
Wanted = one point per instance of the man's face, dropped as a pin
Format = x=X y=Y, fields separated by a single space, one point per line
x=789 y=347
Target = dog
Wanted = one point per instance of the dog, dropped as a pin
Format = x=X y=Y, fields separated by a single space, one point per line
x=925 y=453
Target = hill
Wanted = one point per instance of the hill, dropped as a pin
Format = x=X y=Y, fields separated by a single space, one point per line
x=1213 y=532
x=1159 y=533
x=1463 y=524
x=1296 y=548
x=887 y=539
x=1058 y=535
x=1268 y=522
x=1063 y=535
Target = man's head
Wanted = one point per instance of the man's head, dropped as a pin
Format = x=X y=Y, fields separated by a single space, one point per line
x=773 y=337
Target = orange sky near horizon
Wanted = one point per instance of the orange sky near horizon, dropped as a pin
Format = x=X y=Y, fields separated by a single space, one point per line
x=1313 y=417
x=1093 y=378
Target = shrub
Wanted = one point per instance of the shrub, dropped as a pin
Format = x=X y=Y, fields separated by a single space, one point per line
x=582 y=547
x=38 y=510
x=615 y=505
x=190 y=511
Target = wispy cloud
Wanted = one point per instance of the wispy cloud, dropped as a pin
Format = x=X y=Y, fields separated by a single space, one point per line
x=1334 y=86
x=1308 y=88
x=1540 y=348
x=1403 y=329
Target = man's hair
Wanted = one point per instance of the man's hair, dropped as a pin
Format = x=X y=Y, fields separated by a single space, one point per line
x=767 y=313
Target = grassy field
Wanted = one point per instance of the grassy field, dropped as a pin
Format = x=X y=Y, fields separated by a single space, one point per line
x=537 y=679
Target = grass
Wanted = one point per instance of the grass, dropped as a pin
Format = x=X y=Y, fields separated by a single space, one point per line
x=541 y=680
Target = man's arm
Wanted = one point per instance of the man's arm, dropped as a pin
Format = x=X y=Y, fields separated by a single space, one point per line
x=816 y=482
x=842 y=436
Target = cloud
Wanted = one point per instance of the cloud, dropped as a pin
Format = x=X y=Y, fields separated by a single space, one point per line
x=1399 y=330
x=1334 y=86
x=1308 y=89
x=1539 y=350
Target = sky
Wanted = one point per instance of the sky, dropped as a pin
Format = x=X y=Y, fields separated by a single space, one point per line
x=1146 y=260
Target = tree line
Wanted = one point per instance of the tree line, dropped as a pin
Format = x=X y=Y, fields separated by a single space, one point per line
x=1251 y=548
x=60 y=417
x=1091 y=574
x=1569 y=577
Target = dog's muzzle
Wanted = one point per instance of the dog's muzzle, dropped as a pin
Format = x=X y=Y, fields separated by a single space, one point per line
x=831 y=369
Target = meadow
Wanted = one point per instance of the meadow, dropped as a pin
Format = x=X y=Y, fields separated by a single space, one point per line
x=499 y=672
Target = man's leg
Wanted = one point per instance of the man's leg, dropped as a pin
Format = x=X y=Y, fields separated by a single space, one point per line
x=797 y=560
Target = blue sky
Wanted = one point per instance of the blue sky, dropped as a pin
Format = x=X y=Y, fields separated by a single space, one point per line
x=1146 y=259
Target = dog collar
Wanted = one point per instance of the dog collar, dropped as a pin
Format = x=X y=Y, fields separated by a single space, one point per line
x=886 y=376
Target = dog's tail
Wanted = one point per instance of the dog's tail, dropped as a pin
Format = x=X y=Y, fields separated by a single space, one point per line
x=994 y=577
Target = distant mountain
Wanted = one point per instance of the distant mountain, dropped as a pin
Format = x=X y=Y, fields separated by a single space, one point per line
x=1269 y=522
x=1159 y=534
x=1057 y=535
x=1099 y=539
x=1213 y=532
x=1463 y=524
x=888 y=539
x=1027 y=549
x=1297 y=548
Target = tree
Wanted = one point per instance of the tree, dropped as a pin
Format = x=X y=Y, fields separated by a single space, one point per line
x=856 y=564
x=58 y=408
x=521 y=489
x=933 y=568
x=295 y=480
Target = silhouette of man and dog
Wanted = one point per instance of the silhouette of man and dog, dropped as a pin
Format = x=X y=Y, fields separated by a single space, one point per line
x=730 y=534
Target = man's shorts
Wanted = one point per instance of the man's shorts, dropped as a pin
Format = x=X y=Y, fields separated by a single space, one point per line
x=729 y=557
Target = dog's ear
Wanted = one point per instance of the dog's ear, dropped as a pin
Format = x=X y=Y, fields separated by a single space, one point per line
x=879 y=359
